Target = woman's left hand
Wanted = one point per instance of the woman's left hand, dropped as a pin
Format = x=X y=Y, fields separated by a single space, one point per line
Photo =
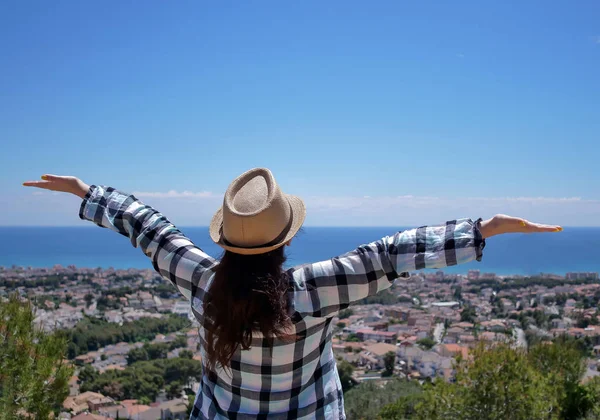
x=501 y=224
x=68 y=184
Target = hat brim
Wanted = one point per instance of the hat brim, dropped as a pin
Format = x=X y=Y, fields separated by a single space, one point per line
x=298 y=216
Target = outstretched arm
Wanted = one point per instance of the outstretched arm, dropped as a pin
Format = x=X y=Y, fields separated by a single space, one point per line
x=173 y=255
x=324 y=288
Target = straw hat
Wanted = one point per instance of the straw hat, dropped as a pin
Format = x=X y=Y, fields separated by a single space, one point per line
x=256 y=216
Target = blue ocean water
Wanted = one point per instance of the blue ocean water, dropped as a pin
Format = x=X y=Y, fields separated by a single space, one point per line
x=574 y=249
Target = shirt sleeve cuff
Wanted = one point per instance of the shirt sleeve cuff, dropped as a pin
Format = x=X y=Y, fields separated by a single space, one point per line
x=85 y=201
x=478 y=239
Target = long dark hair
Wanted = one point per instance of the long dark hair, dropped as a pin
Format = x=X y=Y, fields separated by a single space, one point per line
x=248 y=294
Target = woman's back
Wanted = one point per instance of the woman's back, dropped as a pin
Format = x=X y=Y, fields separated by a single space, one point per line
x=292 y=377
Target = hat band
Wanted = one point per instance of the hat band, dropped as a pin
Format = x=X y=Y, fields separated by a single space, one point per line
x=275 y=241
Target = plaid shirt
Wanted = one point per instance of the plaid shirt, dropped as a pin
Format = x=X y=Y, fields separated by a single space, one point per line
x=290 y=380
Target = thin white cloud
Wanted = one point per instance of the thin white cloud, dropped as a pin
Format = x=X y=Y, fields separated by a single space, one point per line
x=411 y=210
x=336 y=201
x=596 y=39
x=416 y=201
x=460 y=55
x=531 y=199
x=175 y=194
x=186 y=208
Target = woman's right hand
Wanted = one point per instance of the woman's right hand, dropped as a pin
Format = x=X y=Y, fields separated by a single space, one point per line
x=501 y=223
x=68 y=184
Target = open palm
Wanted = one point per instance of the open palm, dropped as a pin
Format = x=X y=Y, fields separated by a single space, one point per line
x=68 y=184
x=501 y=223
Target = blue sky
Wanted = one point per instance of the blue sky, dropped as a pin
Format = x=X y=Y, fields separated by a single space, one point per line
x=377 y=113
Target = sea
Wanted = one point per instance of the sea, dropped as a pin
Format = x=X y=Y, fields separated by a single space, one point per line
x=576 y=249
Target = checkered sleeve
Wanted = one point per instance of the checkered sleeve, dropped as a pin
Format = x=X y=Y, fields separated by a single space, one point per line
x=173 y=255
x=322 y=289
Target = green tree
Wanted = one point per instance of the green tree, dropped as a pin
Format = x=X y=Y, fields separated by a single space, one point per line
x=498 y=308
x=384 y=297
x=523 y=320
x=146 y=378
x=33 y=374
x=345 y=313
x=180 y=341
x=582 y=322
x=103 y=303
x=137 y=355
x=114 y=389
x=91 y=333
x=427 y=343
x=186 y=354
x=165 y=290
x=561 y=299
x=389 y=360
x=540 y=318
x=173 y=390
x=157 y=351
x=457 y=294
x=563 y=364
x=345 y=370
x=89 y=298
x=87 y=374
x=370 y=400
x=189 y=408
x=498 y=383
x=468 y=314
x=591 y=398
x=403 y=408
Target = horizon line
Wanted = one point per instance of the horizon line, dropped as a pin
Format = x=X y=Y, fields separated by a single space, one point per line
x=482 y=271
x=307 y=226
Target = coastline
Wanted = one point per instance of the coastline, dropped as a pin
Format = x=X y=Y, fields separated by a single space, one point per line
x=449 y=271
x=573 y=250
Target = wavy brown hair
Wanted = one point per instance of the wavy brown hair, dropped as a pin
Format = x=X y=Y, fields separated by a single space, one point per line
x=248 y=294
